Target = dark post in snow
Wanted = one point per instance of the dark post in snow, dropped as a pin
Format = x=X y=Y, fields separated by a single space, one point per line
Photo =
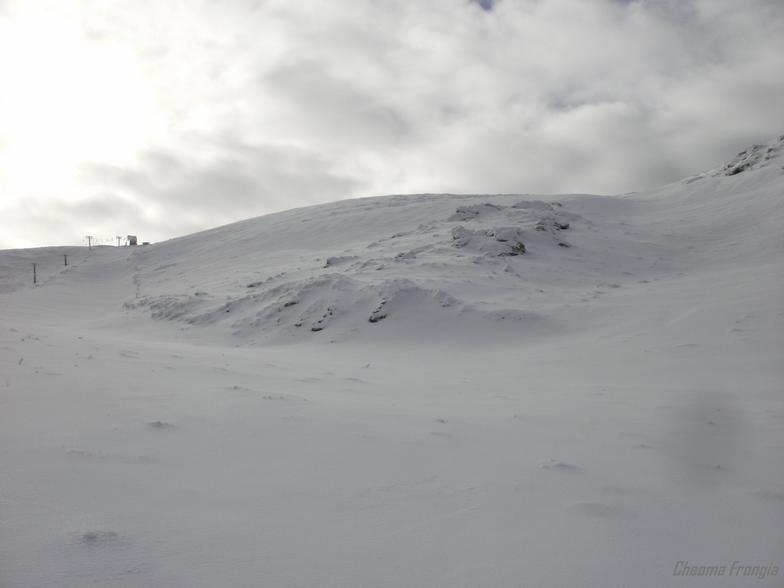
x=65 y=258
x=89 y=241
x=35 y=273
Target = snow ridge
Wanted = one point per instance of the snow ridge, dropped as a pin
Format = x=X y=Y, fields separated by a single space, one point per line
x=755 y=157
x=402 y=274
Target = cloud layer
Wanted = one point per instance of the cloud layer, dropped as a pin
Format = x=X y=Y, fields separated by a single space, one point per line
x=163 y=118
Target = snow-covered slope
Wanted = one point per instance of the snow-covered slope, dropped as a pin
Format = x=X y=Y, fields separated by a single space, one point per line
x=417 y=263
x=428 y=390
x=502 y=264
x=16 y=265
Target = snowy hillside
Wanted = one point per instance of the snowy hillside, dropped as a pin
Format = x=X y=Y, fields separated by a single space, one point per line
x=426 y=390
x=511 y=262
x=417 y=262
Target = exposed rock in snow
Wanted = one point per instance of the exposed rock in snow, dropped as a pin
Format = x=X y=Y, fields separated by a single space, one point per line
x=755 y=157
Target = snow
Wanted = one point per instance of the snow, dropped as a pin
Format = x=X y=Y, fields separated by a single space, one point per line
x=392 y=392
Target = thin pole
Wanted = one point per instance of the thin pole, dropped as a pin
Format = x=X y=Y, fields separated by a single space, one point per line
x=65 y=258
x=35 y=273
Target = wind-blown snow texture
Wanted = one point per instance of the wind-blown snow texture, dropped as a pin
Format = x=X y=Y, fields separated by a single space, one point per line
x=432 y=390
x=341 y=268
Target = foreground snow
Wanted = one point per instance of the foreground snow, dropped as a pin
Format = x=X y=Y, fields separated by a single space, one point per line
x=390 y=392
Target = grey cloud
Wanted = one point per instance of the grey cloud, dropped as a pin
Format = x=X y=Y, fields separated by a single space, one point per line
x=485 y=4
x=334 y=108
x=65 y=221
x=265 y=105
x=243 y=180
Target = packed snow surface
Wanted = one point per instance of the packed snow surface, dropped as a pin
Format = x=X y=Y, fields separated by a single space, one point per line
x=429 y=390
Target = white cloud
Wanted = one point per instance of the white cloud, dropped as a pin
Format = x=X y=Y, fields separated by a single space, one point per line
x=262 y=105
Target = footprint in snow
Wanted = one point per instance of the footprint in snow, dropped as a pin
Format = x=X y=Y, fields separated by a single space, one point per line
x=561 y=466
x=160 y=425
x=98 y=537
x=309 y=380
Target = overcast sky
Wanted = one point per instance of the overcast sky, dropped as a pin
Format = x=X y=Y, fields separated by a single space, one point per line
x=162 y=117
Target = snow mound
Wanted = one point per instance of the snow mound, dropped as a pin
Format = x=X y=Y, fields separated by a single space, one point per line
x=384 y=265
x=755 y=157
